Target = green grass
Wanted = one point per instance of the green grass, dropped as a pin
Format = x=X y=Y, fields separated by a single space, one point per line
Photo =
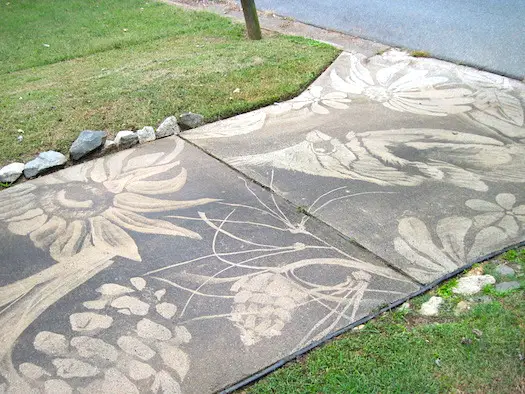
x=404 y=352
x=95 y=75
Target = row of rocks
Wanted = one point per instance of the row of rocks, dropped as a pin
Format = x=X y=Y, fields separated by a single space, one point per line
x=470 y=285
x=90 y=141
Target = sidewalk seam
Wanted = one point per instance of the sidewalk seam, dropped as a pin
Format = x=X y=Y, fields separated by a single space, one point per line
x=267 y=188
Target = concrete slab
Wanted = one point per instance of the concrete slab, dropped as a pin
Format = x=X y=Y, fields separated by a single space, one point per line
x=421 y=161
x=160 y=269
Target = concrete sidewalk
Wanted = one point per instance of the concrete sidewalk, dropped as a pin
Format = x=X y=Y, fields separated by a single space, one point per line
x=167 y=269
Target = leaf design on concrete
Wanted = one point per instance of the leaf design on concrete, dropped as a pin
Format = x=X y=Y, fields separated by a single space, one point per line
x=490 y=230
x=265 y=296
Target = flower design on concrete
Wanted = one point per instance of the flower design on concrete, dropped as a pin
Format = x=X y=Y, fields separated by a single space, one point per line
x=149 y=358
x=317 y=102
x=496 y=105
x=83 y=215
x=461 y=239
x=72 y=212
x=403 y=89
x=267 y=291
x=461 y=159
x=503 y=214
x=263 y=304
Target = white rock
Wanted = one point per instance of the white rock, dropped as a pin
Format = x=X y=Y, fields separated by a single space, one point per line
x=11 y=172
x=32 y=371
x=135 y=347
x=94 y=348
x=166 y=309
x=168 y=127
x=57 y=386
x=88 y=321
x=431 y=307
x=146 y=134
x=468 y=285
x=126 y=139
x=461 y=307
x=138 y=370
x=124 y=312
x=51 y=343
x=112 y=289
x=151 y=330
x=133 y=304
x=138 y=282
x=73 y=368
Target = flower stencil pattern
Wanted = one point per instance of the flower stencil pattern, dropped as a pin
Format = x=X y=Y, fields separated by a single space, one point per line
x=263 y=304
x=317 y=102
x=414 y=91
x=504 y=213
x=147 y=359
x=73 y=211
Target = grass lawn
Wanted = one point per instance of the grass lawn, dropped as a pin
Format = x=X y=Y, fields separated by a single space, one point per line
x=480 y=351
x=69 y=65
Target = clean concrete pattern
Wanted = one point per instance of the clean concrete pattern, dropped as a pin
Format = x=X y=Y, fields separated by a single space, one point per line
x=483 y=33
x=163 y=269
x=419 y=160
x=159 y=269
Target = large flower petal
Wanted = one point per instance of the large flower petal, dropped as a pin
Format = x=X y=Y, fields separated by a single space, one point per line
x=452 y=231
x=112 y=239
x=486 y=241
x=138 y=203
x=141 y=224
x=506 y=200
x=319 y=109
x=142 y=161
x=337 y=104
x=71 y=242
x=24 y=227
x=416 y=234
x=158 y=187
x=486 y=219
x=15 y=204
x=509 y=225
x=344 y=86
x=49 y=232
x=483 y=206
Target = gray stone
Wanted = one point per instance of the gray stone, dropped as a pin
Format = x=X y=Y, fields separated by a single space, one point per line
x=469 y=285
x=146 y=134
x=507 y=286
x=109 y=147
x=190 y=120
x=45 y=161
x=168 y=127
x=87 y=142
x=505 y=270
x=431 y=307
x=481 y=299
x=11 y=172
x=126 y=139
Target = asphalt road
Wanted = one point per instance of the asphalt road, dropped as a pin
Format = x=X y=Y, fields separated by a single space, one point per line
x=488 y=34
